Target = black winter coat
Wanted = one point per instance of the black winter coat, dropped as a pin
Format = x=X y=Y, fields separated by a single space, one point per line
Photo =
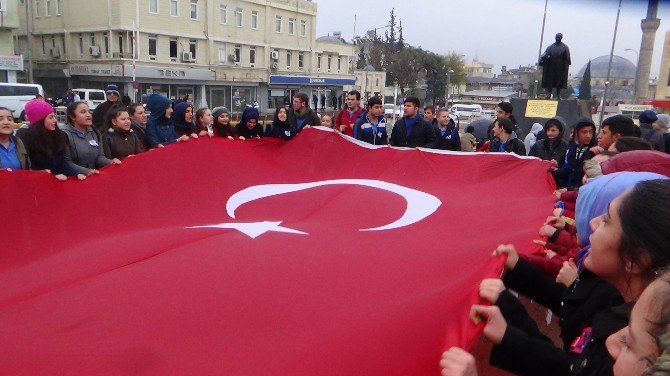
x=547 y=150
x=421 y=135
x=588 y=303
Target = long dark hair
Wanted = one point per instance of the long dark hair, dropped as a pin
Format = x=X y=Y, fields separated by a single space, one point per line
x=39 y=139
x=71 y=109
x=645 y=220
x=113 y=112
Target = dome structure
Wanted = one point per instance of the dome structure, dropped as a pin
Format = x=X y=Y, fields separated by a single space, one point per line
x=621 y=68
x=331 y=39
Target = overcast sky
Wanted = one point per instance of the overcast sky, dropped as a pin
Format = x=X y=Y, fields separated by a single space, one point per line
x=503 y=32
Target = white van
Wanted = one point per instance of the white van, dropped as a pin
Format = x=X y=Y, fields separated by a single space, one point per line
x=15 y=96
x=466 y=111
x=93 y=97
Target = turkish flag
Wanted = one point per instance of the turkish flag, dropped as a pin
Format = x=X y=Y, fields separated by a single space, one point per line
x=317 y=256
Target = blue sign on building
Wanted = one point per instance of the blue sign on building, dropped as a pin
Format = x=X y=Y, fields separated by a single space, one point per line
x=313 y=81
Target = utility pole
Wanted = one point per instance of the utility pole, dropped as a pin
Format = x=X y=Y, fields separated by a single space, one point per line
x=29 y=48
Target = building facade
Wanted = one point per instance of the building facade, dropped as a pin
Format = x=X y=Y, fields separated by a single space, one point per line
x=218 y=52
x=10 y=63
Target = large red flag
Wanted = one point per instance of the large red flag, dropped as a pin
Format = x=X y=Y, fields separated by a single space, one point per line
x=259 y=257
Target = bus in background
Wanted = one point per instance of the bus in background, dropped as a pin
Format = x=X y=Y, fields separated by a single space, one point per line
x=15 y=96
x=633 y=111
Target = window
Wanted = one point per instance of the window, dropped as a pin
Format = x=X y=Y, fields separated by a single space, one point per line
x=301 y=60
x=318 y=61
x=193 y=46
x=222 y=53
x=105 y=43
x=223 y=14
x=339 y=63
x=254 y=19
x=47 y=7
x=62 y=43
x=303 y=28
x=92 y=36
x=252 y=56
x=291 y=26
x=238 y=53
x=153 y=6
x=58 y=8
x=153 y=50
x=120 y=43
x=278 y=24
x=174 y=8
x=238 y=17
x=330 y=59
x=194 y=10
x=44 y=50
x=173 y=49
x=38 y=8
x=288 y=59
x=80 y=44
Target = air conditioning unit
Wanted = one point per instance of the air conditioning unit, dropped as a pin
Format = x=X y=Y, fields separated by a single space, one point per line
x=274 y=55
x=232 y=58
x=187 y=57
x=94 y=51
x=274 y=65
x=252 y=65
x=54 y=52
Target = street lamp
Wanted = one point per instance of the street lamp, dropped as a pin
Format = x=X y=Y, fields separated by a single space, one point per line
x=449 y=73
x=535 y=89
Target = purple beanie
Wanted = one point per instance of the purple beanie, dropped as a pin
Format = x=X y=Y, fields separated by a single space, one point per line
x=37 y=110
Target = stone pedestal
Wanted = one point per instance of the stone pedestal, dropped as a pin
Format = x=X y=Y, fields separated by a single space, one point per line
x=568 y=109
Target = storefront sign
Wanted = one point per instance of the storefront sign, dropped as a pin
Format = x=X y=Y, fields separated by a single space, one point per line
x=313 y=81
x=113 y=70
x=11 y=62
x=143 y=71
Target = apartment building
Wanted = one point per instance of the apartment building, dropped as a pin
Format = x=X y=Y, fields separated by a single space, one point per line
x=10 y=63
x=219 y=52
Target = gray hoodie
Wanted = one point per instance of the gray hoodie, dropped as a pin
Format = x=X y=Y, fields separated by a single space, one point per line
x=84 y=151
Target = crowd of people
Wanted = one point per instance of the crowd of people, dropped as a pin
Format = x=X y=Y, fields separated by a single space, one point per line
x=602 y=251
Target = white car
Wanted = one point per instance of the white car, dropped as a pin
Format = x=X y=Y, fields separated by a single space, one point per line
x=389 y=110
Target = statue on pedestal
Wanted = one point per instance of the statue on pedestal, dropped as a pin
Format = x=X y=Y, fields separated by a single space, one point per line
x=555 y=62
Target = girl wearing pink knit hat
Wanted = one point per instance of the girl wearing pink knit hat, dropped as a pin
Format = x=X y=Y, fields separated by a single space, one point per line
x=45 y=142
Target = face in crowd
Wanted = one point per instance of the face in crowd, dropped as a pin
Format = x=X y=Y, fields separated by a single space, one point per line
x=298 y=104
x=352 y=102
x=410 y=109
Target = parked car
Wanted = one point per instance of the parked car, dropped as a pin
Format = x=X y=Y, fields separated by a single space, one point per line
x=389 y=110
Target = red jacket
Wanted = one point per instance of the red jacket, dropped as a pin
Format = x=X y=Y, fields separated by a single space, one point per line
x=343 y=118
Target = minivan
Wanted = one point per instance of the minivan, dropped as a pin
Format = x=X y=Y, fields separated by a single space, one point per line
x=466 y=111
x=93 y=97
x=15 y=96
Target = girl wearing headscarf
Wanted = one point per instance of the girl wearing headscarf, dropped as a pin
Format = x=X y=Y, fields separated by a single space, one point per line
x=281 y=128
x=182 y=119
x=249 y=126
x=160 y=130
